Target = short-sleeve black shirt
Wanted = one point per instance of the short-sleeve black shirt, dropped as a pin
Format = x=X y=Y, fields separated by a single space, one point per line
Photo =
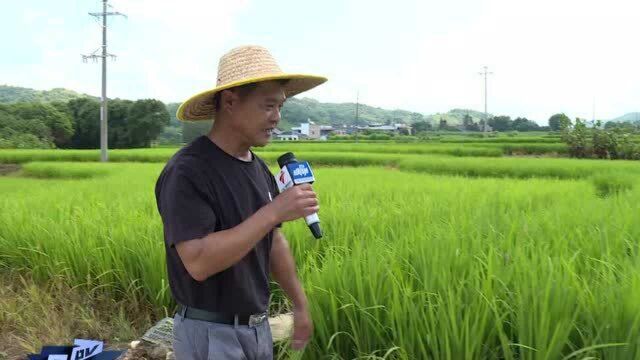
x=201 y=190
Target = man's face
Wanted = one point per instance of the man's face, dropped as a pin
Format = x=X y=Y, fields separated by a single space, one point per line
x=258 y=113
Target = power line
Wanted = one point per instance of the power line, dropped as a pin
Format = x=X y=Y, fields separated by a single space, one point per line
x=94 y=56
x=485 y=72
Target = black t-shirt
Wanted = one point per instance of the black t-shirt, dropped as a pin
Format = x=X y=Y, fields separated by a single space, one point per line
x=201 y=190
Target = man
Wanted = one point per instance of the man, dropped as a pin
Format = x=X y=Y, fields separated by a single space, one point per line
x=221 y=213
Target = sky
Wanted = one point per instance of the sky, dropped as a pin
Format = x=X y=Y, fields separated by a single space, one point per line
x=546 y=56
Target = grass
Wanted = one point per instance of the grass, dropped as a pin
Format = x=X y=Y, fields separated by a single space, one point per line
x=412 y=266
x=33 y=314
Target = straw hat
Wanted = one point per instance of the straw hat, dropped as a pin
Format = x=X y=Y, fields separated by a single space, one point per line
x=240 y=66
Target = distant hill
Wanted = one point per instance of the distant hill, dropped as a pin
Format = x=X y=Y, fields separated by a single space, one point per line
x=13 y=94
x=455 y=116
x=298 y=111
x=630 y=117
x=295 y=111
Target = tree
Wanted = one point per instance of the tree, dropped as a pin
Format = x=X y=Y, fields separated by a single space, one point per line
x=39 y=125
x=501 y=123
x=146 y=120
x=421 y=126
x=86 y=117
x=119 y=132
x=601 y=141
x=467 y=122
x=443 y=123
x=57 y=125
x=576 y=138
x=11 y=123
x=524 y=124
x=131 y=124
x=556 y=121
x=192 y=129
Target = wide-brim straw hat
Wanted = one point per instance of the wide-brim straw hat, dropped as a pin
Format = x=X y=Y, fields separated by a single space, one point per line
x=240 y=66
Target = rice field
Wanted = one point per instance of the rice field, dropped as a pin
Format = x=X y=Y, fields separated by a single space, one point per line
x=425 y=256
x=163 y=154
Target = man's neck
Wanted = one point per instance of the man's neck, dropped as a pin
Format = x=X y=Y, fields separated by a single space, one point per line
x=229 y=141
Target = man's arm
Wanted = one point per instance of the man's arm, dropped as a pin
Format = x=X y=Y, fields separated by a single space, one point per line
x=219 y=250
x=283 y=270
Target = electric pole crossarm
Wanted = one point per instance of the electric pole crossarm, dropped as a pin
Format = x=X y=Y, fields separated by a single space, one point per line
x=107 y=14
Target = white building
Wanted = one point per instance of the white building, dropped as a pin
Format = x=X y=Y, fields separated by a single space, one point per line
x=387 y=128
x=313 y=130
x=288 y=137
x=291 y=136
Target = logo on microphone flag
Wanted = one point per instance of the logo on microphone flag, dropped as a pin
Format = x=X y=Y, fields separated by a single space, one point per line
x=301 y=172
x=283 y=180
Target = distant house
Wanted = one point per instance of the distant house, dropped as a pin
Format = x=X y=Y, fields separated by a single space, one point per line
x=395 y=128
x=275 y=132
x=291 y=136
x=313 y=130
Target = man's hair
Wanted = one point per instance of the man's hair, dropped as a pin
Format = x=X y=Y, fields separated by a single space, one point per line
x=243 y=91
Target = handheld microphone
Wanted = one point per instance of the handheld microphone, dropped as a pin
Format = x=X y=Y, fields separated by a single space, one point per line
x=294 y=173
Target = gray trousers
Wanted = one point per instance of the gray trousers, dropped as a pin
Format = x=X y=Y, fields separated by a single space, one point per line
x=203 y=340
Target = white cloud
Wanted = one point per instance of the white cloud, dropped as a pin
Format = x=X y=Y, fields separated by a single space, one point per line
x=172 y=48
x=547 y=56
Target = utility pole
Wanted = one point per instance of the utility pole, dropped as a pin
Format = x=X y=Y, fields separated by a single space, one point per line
x=357 y=105
x=103 y=104
x=485 y=72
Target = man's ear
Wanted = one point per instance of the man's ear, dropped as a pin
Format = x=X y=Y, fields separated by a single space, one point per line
x=228 y=99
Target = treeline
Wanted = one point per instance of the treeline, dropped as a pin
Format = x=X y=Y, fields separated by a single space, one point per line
x=76 y=124
x=496 y=123
x=602 y=141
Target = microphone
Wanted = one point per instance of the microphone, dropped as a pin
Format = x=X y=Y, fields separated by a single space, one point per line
x=292 y=172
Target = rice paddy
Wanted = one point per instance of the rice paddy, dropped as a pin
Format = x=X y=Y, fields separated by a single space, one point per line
x=426 y=255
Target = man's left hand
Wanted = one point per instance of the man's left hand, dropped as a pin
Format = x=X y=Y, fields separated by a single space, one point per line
x=302 y=329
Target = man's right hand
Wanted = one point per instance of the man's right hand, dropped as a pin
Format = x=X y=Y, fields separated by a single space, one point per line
x=294 y=203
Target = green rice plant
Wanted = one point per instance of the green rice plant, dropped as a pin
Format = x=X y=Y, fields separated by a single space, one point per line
x=118 y=155
x=534 y=148
x=538 y=139
x=62 y=170
x=612 y=183
x=338 y=159
x=412 y=265
x=163 y=154
x=409 y=149
x=516 y=167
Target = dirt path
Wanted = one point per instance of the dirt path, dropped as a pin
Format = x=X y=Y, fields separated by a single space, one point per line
x=8 y=168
